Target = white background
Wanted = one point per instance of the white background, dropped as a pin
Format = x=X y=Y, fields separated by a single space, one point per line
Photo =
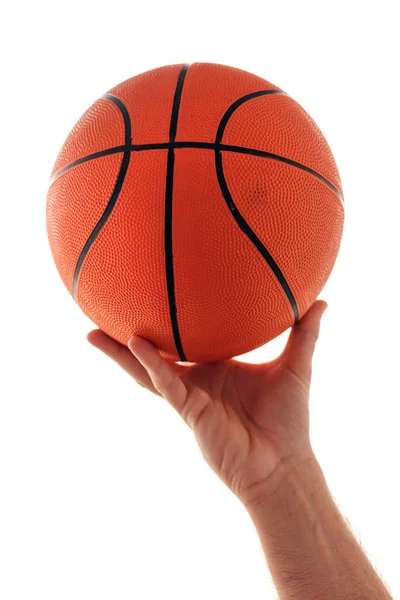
x=104 y=493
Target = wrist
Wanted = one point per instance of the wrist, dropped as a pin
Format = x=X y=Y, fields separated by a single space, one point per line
x=309 y=548
x=296 y=473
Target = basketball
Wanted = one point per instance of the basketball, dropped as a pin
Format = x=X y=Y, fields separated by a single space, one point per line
x=198 y=206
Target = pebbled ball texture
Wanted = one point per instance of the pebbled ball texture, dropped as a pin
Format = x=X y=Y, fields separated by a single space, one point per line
x=269 y=186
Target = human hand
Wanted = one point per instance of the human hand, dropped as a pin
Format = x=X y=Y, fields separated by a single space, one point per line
x=251 y=421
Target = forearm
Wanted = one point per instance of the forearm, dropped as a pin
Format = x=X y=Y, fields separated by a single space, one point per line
x=310 y=551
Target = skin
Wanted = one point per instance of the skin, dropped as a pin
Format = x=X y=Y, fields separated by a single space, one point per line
x=252 y=425
x=249 y=420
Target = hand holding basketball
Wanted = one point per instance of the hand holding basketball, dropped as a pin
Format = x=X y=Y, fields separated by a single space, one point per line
x=250 y=421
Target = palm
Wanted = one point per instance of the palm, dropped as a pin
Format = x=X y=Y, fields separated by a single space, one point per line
x=247 y=418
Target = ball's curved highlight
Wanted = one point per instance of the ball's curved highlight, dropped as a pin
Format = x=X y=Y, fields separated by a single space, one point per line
x=198 y=206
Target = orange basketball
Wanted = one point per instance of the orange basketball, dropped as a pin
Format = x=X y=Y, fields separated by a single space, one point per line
x=199 y=207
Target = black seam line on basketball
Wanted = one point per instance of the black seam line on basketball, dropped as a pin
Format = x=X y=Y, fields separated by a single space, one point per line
x=114 y=150
x=206 y=146
x=169 y=265
x=79 y=161
x=289 y=161
x=245 y=227
x=238 y=103
x=242 y=223
x=262 y=154
x=173 y=126
x=116 y=191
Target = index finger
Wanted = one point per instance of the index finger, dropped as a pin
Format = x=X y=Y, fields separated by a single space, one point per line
x=163 y=375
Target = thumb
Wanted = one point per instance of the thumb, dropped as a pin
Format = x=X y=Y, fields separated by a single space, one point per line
x=302 y=340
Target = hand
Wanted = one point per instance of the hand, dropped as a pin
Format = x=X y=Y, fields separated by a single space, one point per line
x=250 y=421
